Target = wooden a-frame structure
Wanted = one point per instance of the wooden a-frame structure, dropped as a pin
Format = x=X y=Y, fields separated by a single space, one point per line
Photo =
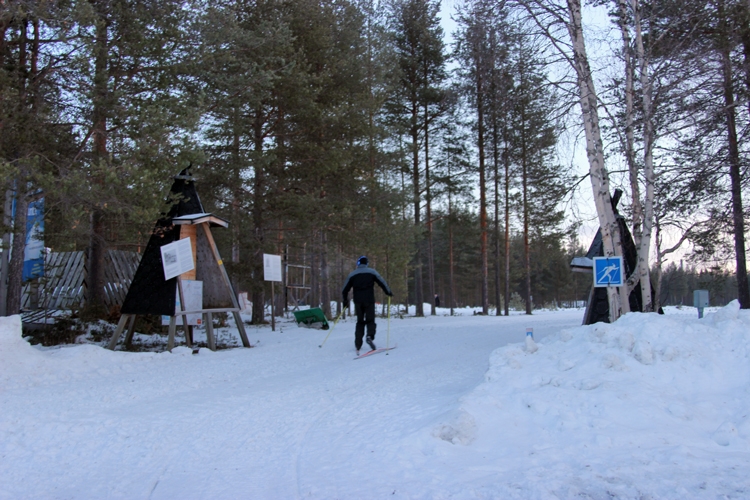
x=151 y=293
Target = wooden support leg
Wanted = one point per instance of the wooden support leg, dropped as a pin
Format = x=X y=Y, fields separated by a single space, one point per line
x=172 y=328
x=118 y=332
x=186 y=328
x=241 y=328
x=131 y=329
x=210 y=331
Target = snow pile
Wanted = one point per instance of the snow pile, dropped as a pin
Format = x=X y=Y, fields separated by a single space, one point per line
x=17 y=357
x=617 y=410
x=23 y=365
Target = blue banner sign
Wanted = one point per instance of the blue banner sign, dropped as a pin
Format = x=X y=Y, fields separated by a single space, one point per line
x=33 y=255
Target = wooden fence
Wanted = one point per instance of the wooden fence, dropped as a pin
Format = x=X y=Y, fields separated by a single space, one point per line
x=64 y=287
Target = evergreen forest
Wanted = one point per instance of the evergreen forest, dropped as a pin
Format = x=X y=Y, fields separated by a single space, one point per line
x=323 y=130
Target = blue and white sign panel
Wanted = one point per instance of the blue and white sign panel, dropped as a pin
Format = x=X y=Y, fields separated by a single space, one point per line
x=608 y=271
x=33 y=256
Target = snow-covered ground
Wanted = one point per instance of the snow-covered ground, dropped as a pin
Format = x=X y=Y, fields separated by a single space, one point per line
x=649 y=407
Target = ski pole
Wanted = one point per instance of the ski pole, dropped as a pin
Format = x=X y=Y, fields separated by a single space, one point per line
x=388 y=335
x=334 y=326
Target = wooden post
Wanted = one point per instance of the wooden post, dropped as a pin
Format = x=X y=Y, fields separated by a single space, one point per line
x=172 y=327
x=131 y=330
x=210 y=330
x=184 y=316
x=118 y=332
x=237 y=317
x=273 y=307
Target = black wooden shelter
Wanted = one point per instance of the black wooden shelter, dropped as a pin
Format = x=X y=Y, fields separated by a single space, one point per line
x=151 y=293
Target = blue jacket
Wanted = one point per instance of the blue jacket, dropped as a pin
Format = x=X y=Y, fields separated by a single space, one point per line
x=363 y=280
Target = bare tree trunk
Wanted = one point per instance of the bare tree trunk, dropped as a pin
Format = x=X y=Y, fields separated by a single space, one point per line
x=611 y=239
x=496 y=202
x=15 y=270
x=7 y=229
x=629 y=145
x=525 y=196
x=644 y=241
x=451 y=279
x=745 y=34
x=428 y=200
x=659 y=261
x=325 y=296
x=525 y=199
x=236 y=194
x=280 y=306
x=258 y=286
x=4 y=260
x=15 y=267
x=405 y=249
x=342 y=278
x=314 y=272
x=418 y=290
x=506 y=162
x=743 y=290
x=482 y=186
x=97 y=242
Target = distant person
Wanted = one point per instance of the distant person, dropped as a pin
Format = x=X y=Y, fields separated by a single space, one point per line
x=363 y=280
x=437 y=301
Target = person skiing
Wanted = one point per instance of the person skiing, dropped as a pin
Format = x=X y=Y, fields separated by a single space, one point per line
x=363 y=280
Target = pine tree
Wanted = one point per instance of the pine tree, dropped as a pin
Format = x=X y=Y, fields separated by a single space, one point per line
x=33 y=141
x=122 y=82
x=419 y=49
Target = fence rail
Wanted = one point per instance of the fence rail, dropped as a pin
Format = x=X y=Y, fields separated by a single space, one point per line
x=64 y=285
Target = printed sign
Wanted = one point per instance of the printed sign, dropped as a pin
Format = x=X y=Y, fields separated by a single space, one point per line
x=193 y=291
x=271 y=267
x=608 y=271
x=177 y=258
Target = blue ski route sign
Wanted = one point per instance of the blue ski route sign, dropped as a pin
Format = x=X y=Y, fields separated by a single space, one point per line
x=608 y=271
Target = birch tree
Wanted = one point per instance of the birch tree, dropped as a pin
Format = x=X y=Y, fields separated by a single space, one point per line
x=636 y=62
x=551 y=18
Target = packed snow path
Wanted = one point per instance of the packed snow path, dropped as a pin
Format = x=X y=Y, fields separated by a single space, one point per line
x=649 y=407
x=285 y=419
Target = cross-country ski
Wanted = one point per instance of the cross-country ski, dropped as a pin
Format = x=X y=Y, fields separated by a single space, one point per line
x=374 y=351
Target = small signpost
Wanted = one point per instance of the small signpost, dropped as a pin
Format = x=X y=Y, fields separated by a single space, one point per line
x=700 y=301
x=608 y=271
x=272 y=273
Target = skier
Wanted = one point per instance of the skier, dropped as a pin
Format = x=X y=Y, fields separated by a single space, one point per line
x=363 y=280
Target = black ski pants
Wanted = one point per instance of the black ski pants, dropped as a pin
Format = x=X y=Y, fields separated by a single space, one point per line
x=365 y=316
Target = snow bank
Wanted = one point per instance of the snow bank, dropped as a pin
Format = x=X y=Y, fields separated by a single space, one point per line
x=618 y=404
x=23 y=365
x=17 y=357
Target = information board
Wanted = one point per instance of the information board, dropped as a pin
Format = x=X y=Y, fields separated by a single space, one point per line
x=271 y=267
x=177 y=258
x=193 y=292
